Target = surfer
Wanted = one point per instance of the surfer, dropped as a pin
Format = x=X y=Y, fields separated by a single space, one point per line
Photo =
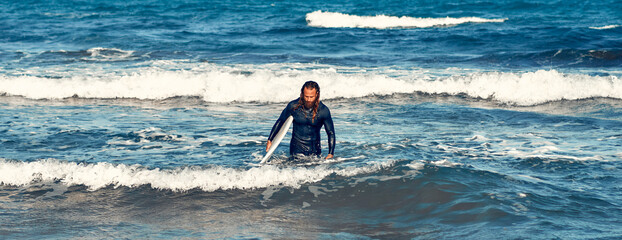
x=309 y=116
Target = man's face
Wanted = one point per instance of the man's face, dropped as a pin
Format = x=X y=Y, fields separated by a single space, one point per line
x=309 y=96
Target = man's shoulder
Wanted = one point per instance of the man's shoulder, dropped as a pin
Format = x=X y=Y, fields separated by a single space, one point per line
x=292 y=103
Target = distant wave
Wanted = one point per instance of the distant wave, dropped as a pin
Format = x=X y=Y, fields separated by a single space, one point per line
x=97 y=54
x=340 y=20
x=99 y=175
x=109 y=54
x=606 y=27
x=281 y=82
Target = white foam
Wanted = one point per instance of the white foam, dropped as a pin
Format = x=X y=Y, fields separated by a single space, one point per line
x=224 y=140
x=214 y=83
x=529 y=88
x=445 y=163
x=606 y=27
x=144 y=85
x=100 y=175
x=108 y=54
x=316 y=161
x=416 y=165
x=545 y=149
x=477 y=138
x=545 y=153
x=340 y=20
x=281 y=83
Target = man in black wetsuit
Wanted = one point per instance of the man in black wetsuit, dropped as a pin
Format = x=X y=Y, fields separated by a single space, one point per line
x=309 y=116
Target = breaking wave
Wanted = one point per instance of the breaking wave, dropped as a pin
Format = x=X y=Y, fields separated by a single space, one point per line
x=530 y=88
x=606 y=27
x=341 y=20
x=100 y=175
x=281 y=82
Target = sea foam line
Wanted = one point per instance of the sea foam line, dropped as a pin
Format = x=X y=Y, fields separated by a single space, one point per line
x=281 y=82
x=99 y=175
x=525 y=89
x=606 y=27
x=108 y=54
x=214 y=83
x=341 y=20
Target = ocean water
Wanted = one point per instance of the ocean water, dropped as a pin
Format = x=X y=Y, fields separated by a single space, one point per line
x=454 y=119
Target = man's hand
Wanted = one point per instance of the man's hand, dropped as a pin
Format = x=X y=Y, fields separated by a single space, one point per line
x=329 y=156
x=268 y=145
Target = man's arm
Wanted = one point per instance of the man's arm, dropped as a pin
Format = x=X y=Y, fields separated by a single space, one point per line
x=277 y=125
x=330 y=131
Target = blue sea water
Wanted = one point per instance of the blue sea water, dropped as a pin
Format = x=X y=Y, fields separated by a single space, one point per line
x=454 y=119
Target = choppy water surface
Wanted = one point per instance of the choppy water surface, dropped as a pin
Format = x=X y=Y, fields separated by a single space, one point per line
x=134 y=119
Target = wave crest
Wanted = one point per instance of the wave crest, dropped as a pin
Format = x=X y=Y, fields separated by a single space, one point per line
x=606 y=27
x=281 y=83
x=108 y=54
x=99 y=175
x=340 y=20
x=214 y=83
x=526 y=89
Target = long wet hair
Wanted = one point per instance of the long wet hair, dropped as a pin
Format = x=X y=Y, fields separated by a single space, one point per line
x=301 y=101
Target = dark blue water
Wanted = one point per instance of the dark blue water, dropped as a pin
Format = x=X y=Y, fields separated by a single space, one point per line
x=469 y=119
x=536 y=34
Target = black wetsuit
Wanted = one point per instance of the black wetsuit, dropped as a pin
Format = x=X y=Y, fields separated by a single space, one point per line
x=306 y=133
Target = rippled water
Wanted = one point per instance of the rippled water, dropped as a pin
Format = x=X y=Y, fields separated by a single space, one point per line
x=147 y=119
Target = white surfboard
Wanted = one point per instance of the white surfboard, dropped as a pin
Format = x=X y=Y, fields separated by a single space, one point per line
x=278 y=138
